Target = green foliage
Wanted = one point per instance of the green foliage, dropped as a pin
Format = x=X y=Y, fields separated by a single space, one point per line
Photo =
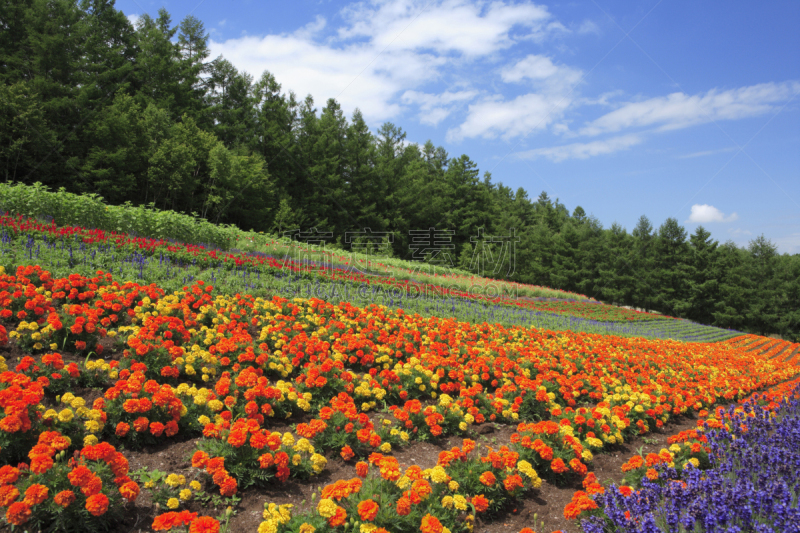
x=89 y=210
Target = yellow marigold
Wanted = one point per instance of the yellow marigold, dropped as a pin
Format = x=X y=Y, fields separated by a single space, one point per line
x=326 y=508
x=66 y=415
x=89 y=440
x=453 y=485
x=438 y=474
x=195 y=485
x=318 y=462
x=268 y=526
x=306 y=528
x=173 y=503
x=460 y=502
x=447 y=502
x=174 y=480
x=185 y=495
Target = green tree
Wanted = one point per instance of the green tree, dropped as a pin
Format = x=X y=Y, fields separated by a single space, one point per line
x=643 y=262
x=764 y=301
x=702 y=278
x=670 y=258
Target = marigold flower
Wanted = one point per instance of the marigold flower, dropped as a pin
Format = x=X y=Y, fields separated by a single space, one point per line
x=18 y=513
x=339 y=518
x=368 y=510
x=36 y=494
x=97 y=504
x=480 y=502
x=130 y=491
x=8 y=475
x=347 y=453
x=8 y=494
x=431 y=524
x=64 y=498
x=204 y=524
x=403 y=506
x=488 y=478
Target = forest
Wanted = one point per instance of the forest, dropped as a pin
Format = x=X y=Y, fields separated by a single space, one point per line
x=143 y=115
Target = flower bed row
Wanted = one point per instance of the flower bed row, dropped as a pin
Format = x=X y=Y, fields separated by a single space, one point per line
x=30 y=233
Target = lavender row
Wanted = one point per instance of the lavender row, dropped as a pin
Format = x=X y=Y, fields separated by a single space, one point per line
x=753 y=483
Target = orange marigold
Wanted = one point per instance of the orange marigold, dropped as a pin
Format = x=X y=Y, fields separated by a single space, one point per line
x=36 y=494
x=347 y=453
x=97 y=504
x=430 y=524
x=8 y=495
x=339 y=518
x=8 y=475
x=480 y=503
x=488 y=479
x=64 y=498
x=368 y=510
x=403 y=506
x=204 y=524
x=18 y=513
x=558 y=466
x=129 y=491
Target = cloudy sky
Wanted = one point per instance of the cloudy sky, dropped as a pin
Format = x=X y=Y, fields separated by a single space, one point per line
x=678 y=109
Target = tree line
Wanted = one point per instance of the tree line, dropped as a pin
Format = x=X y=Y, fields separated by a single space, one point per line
x=142 y=114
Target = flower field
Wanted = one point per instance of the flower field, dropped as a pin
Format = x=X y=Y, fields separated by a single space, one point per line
x=261 y=393
x=68 y=250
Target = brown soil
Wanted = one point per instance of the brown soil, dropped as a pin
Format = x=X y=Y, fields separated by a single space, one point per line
x=540 y=509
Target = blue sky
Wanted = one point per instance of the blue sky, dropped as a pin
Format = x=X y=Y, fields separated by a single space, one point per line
x=670 y=109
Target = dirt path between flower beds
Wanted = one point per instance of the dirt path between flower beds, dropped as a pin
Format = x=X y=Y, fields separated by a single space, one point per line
x=540 y=509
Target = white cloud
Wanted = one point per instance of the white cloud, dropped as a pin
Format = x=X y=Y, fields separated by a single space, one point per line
x=542 y=72
x=707 y=152
x=436 y=107
x=134 y=19
x=468 y=28
x=388 y=48
x=588 y=27
x=495 y=117
x=583 y=150
x=679 y=110
x=526 y=113
x=705 y=213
